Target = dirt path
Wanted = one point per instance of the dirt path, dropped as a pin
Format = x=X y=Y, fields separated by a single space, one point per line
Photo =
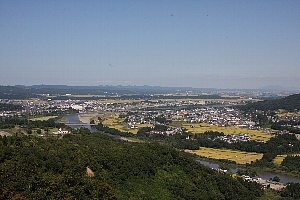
x=3 y=133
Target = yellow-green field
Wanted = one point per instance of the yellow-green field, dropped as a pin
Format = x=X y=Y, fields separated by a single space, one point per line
x=29 y=100
x=120 y=101
x=118 y=123
x=279 y=158
x=43 y=118
x=240 y=157
x=202 y=127
x=289 y=114
x=113 y=121
x=85 y=95
x=197 y=128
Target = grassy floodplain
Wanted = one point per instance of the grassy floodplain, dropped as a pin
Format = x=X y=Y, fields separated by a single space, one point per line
x=240 y=157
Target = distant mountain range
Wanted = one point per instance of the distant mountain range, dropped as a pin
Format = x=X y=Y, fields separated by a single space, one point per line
x=163 y=88
x=35 y=91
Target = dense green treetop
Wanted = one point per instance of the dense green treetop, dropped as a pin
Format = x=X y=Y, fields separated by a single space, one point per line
x=10 y=107
x=37 y=168
x=289 y=103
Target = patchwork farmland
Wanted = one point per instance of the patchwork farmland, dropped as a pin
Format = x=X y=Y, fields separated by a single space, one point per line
x=240 y=157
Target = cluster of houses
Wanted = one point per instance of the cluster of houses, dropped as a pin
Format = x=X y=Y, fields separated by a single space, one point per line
x=291 y=117
x=253 y=179
x=220 y=116
x=56 y=133
x=168 y=132
x=262 y=182
x=60 y=132
x=233 y=138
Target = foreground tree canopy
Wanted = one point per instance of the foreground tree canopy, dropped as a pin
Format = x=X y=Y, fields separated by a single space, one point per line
x=36 y=168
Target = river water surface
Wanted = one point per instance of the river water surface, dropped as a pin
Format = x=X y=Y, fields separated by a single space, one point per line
x=264 y=175
x=74 y=119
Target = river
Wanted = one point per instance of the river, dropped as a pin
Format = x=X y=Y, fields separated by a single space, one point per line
x=264 y=175
x=74 y=119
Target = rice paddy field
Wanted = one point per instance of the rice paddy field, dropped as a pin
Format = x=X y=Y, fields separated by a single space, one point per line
x=240 y=157
x=119 y=101
x=43 y=118
x=84 y=95
x=118 y=123
x=289 y=114
x=279 y=158
x=198 y=128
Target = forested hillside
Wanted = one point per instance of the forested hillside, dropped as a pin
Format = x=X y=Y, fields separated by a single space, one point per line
x=36 y=168
x=289 y=103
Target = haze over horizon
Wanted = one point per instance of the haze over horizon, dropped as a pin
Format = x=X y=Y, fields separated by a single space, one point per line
x=200 y=44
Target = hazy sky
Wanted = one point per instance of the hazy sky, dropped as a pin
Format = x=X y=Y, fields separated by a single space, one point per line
x=221 y=44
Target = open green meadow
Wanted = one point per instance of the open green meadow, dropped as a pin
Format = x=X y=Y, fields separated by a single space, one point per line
x=240 y=157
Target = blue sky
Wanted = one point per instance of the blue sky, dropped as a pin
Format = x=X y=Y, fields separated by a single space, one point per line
x=220 y=44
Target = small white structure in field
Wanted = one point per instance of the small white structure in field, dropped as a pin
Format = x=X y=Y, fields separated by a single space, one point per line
x=60 y=132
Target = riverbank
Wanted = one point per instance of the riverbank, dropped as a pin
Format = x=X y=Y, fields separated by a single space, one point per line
x=86 y=118
x=249 y=166
x=262 y=173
